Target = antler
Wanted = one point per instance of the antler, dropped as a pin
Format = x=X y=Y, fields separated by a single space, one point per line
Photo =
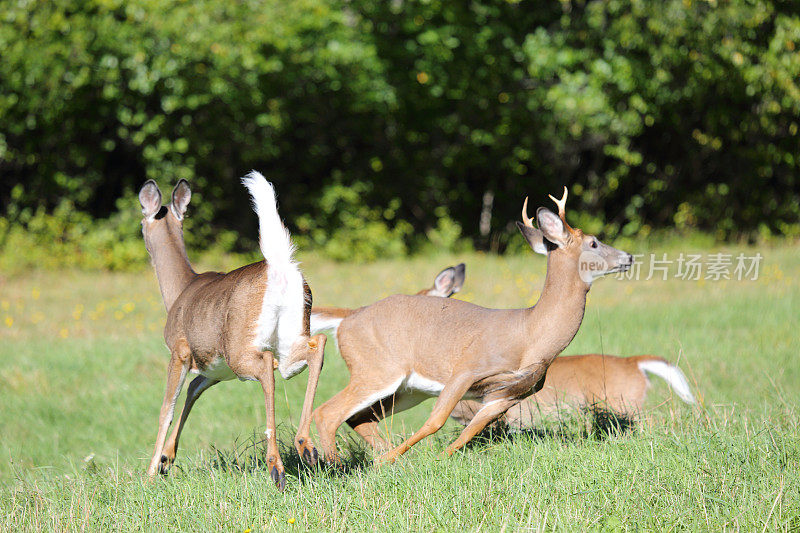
x=525 y=218
x=561 y=207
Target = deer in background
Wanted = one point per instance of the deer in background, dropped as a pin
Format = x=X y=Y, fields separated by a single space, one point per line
x=404 y=349
x=576 y=382
x=233 y=325
x=447 y=282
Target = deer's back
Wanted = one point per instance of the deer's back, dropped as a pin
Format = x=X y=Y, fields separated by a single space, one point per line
x=217 y=313
x=429 y=335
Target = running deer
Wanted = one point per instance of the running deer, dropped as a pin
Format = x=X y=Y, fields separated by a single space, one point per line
x=577 y=382
x=448 y=282
x=233 y=325
x=404 y=349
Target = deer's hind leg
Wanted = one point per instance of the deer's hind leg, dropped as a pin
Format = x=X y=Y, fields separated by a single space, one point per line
x=258 y=365
x=367 y=422
x=357 y=396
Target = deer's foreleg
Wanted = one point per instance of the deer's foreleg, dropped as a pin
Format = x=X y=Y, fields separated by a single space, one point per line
x=198 y=385
x=448 y=398
x=487 y=414
x=266 y=377
x=176 y=374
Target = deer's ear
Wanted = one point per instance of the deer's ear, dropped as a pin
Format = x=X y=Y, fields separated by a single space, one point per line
x=449 y=281
x=534 y=237
x=181 y=195
x=150 y=199
x=552 y=227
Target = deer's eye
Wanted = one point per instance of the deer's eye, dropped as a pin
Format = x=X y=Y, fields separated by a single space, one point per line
x=594 y=243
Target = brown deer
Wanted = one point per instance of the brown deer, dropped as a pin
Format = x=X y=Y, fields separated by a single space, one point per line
x=233 y=325
x=447 y=282
x=578 y=382
x=404 y=349
x=572 y=383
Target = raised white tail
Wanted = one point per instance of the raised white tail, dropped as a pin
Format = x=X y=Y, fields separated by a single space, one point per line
x=672 y=375
x=274 y=239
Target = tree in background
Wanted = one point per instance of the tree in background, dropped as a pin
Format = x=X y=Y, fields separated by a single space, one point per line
x=386 y=125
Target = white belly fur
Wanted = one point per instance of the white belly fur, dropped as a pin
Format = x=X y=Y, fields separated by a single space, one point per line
x=422 y=384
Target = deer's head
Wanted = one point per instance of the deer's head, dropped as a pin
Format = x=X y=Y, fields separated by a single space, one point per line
x=448 y=282
x=570 y=246
x=163 y=224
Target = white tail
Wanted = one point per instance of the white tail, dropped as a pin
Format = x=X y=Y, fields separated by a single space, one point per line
x=321 y=323
x=672 y=375
x=274 y=239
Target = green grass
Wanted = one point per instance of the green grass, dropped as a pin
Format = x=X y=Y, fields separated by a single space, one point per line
x=82 y=371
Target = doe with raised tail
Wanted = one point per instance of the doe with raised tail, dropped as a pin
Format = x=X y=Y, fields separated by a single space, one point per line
x=231 y=325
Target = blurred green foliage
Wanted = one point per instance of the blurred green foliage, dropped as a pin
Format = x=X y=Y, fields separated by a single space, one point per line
x=383 y=124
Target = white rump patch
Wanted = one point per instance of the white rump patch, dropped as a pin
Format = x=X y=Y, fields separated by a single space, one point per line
x=280 y=324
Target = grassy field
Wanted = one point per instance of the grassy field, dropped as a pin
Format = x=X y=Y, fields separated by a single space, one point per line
x=82 y=368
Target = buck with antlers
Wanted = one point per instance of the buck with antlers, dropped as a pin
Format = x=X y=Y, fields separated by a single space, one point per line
x=578 y=382
x=233 y=325
x=404 y=349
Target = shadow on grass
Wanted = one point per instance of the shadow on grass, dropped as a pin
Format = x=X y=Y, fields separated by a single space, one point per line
x=595 y=423
x=249 y=455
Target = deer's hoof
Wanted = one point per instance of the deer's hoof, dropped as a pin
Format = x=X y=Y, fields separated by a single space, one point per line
x=307 y=451
x=164 y=465
x=310 y=456
x=278 y=477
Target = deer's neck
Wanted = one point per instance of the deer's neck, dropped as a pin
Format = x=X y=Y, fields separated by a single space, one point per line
x=555 y=319
x=173 y=270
